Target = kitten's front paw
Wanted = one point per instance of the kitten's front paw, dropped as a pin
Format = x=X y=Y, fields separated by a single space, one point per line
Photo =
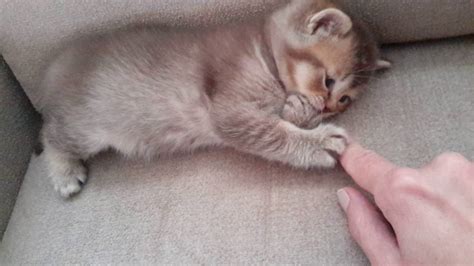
x=333 y=141
x=71 y=184
x=302 y=111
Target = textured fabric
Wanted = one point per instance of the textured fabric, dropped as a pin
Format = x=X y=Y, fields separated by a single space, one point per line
x=30 y=31
x=223 y=207
x=18 y=130
x=409 y=20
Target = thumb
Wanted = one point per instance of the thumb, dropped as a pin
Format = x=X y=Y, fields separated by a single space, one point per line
x=369 y=228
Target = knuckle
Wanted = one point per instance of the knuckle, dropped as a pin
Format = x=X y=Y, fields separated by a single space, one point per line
x=402 y=183
x=467 y=173
x=402 y=179
x=449 y=158
x=470 y=170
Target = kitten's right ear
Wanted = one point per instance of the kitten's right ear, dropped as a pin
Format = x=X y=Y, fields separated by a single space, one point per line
x=329 y=22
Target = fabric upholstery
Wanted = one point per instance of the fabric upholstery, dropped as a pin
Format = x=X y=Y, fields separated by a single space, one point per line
x=18 y=131
x=408 y=20
x=225 y=207
x=30 y=31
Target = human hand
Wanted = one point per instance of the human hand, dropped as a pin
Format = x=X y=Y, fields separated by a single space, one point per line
x=431 y=209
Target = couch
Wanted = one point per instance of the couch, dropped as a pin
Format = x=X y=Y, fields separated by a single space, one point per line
x=220 y=206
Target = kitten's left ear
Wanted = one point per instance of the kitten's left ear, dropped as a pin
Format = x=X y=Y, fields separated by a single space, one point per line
x=382 y=64
x=330 y=21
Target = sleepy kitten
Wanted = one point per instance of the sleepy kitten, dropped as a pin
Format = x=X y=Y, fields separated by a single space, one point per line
x=261 y=88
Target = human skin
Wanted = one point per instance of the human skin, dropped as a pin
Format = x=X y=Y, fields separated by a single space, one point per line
x=421 y=216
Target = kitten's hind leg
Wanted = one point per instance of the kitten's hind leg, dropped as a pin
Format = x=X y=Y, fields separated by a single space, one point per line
x=66 y=171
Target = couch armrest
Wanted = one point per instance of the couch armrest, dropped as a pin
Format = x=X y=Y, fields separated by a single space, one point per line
x=19 y=126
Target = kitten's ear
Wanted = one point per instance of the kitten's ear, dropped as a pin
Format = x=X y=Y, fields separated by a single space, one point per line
x=330 y=21
x=382 y=64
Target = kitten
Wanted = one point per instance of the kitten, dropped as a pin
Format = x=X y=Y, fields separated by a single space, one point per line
x=262 y=88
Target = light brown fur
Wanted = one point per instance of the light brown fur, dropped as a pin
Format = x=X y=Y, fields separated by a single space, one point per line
x=259 y=87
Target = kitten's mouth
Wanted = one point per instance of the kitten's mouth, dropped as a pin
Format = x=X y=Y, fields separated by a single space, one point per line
x=327 y=113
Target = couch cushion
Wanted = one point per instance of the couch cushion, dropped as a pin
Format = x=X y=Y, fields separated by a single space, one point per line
x=31 y=30
x=223 y=207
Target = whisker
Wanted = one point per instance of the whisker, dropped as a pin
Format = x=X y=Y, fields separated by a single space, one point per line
x=368 y=77
x=364 y=70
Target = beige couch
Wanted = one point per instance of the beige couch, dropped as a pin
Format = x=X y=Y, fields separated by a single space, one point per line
x=220 y=206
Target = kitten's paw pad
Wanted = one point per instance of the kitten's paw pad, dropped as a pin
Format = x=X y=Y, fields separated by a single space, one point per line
x=69 y=185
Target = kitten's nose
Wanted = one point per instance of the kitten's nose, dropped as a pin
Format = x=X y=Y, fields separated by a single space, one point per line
x=329 y=107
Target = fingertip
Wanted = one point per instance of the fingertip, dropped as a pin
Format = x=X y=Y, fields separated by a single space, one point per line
x=365 y=166
x=350 y=153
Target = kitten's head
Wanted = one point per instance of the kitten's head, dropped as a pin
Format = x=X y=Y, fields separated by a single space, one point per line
x=327 y=53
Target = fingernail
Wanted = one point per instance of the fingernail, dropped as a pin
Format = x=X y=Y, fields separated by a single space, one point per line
x=343 y=198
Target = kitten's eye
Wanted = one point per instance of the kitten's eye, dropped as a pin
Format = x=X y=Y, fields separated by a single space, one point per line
x=345 y=100
x=329 y=82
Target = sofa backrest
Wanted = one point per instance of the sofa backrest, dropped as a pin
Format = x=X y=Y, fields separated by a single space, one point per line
x=30 y=31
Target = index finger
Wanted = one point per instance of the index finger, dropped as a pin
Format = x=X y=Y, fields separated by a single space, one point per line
x=366 y=167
